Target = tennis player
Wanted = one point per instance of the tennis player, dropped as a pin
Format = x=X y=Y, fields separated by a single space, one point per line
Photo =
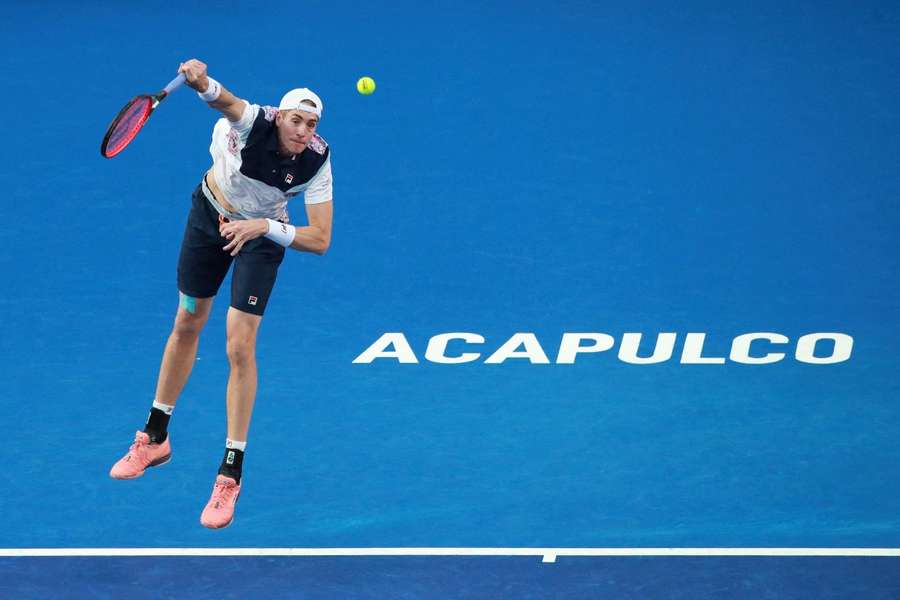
x=261 y=157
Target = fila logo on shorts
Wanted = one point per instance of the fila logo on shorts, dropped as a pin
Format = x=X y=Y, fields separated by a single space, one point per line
x=252 y=300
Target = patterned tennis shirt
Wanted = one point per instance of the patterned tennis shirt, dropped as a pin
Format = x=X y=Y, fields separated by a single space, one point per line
x=255 y=179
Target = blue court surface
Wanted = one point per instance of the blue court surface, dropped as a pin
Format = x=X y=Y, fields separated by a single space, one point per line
x=530 y=187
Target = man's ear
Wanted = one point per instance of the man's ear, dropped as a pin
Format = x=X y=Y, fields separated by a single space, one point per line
x=278 y=118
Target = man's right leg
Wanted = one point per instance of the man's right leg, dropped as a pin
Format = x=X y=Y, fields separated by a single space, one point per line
x=151 y=447
x=202 y=266
x=181 y=348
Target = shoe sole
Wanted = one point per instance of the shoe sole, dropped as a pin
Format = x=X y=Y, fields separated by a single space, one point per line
x=156 y=463
x=219 y=526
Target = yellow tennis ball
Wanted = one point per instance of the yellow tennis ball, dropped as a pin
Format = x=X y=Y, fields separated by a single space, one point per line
x=365 y=85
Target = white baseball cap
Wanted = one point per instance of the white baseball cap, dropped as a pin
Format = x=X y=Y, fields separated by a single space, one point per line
x=293 y=100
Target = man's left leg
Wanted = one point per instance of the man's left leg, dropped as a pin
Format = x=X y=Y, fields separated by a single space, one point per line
x=255 y=271
x=241 y=347
x=242 y=328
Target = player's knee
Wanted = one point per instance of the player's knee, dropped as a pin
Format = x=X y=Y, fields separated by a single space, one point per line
x=189 y=322
x=241 y=351
x=187 y=326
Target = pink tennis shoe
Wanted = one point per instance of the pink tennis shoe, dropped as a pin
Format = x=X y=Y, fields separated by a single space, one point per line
x=141 y=455
x=219 y=511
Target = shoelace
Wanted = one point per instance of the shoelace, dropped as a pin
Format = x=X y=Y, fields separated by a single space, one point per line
x=222 y=492
x=138 y=448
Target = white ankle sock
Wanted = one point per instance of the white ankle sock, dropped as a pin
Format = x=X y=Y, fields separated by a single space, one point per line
x=235 y=445
x=166 y=408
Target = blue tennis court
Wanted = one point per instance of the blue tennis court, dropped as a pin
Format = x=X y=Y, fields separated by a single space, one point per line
x=528 y=189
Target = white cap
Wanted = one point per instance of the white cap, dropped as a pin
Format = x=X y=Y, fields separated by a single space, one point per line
x=293 y=100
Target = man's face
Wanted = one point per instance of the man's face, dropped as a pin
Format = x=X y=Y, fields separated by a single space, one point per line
x=295 y=129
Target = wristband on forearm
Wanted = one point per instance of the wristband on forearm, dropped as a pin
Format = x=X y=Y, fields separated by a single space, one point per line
x=212 y=91
x=281 y=233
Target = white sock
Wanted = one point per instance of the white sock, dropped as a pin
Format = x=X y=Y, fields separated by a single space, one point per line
x=235 y=445
x=166 y=408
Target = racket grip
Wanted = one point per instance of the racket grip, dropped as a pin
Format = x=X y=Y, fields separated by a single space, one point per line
x=174 y=84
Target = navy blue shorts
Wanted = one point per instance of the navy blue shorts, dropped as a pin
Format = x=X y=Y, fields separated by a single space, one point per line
x=202 y=264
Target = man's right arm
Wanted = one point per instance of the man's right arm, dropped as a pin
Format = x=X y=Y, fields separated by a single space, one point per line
x=226 y=103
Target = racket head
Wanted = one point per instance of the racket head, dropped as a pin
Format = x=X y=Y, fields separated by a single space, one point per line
x=126 y=125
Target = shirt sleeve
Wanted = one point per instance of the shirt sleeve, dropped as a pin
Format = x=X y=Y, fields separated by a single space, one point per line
x=319 y=189
x=243 y=125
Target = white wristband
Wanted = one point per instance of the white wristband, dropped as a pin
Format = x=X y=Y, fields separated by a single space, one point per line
x=212 y=92
x=281 y=233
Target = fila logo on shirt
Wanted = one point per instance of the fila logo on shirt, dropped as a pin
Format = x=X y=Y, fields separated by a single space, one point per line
x=252 y=300
x=289 y=178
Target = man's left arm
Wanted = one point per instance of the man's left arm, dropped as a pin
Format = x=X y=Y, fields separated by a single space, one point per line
x=314 y=237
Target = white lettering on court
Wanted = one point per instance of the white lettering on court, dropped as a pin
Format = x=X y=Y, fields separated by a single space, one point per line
x=740 y=348
x=402 y=351
x=746 y=349
x=693 y=351
x=533 y=350
x=662 y=351
x=437 y=348
x=570 y=346
x=806 y=348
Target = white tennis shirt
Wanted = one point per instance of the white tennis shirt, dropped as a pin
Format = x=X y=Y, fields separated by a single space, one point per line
x=255 y=179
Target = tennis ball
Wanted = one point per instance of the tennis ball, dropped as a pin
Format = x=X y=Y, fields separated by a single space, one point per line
x=365 y=85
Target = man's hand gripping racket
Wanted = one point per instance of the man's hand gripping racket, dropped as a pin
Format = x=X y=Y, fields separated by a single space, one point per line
x=132 y=117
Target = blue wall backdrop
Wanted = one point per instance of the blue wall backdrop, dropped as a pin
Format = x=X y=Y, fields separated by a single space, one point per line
x=581 y=167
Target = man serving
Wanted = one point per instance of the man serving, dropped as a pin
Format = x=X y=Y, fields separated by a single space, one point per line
x=262 y=157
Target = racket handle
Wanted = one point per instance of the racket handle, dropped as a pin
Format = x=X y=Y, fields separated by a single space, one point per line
x=174 y=84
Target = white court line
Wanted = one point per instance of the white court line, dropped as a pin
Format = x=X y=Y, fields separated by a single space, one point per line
x=548 y=555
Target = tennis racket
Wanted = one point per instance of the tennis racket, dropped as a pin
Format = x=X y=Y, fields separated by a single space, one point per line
x=132 y=117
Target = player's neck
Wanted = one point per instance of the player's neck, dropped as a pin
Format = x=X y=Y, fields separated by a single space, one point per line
x=284 y=152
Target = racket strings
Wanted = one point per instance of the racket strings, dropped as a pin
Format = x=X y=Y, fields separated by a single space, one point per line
x=127 y=125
